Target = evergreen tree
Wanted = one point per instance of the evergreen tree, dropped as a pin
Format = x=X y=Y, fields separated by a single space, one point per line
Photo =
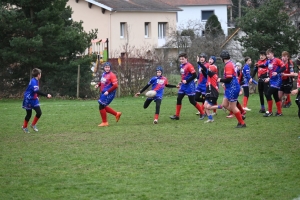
x=213 y=27
x=268 y=26
x=40 y=33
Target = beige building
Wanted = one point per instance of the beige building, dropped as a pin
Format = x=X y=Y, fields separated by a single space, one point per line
x=138 y=24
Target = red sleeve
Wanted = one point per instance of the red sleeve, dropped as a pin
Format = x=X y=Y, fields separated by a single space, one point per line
x=191 y=69
x=229 y=71
x=114 y=81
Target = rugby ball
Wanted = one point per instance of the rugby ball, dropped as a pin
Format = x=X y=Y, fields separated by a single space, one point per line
x=151 y=93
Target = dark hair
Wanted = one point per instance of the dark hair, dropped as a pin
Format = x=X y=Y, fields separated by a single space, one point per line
x=269 y=51
x=247 y=58
x=182 y=54
x=262 y=53
x=35 y=72
x=225 y=55
x=202 y=55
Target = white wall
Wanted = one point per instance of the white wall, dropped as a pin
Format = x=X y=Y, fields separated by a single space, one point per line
x=194 y=13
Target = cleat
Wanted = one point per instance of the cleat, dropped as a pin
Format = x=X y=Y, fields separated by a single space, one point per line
x=198 y=113
x=268 y=114
x=224 y=109
x=243 y=117
x=201 y=117
x=278 y=114
x=174 y=117
x=155 y=121
x=229 y=116
x=118 y=115
x=34 y=128
x=240 y=125
x=247 y=109
x=288 y=105
x=209 y=121
x=103 y=124
x=262 y=111
x=25 y=130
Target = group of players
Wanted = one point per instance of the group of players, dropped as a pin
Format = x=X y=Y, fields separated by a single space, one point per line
x=275 y=78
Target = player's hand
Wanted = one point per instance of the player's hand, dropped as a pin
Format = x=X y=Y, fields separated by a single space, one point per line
x=184 y=81
x=137 y=94
x=106 y=93
x=49 y=96
x=274 y=73
x=250 y=81
x=218 y=80
x=96 y=86
x=294 y=92
x=267 y=80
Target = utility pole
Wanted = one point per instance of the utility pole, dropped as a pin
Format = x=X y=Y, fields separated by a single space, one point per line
x=240 y=8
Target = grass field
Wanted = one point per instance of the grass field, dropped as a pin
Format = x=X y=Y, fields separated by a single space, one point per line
x=72 y=158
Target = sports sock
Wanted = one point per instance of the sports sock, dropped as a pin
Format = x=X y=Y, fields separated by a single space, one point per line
x=245 y=101
x=288 y=99
x=238 y=116
x=110 y=110
x=278 y=105
x=239 y=106
x=35 y=120
x=103 y=115
x=178 y=108
x=199 y=108
x=25 y=124
x=156 y=116
x=270 y=104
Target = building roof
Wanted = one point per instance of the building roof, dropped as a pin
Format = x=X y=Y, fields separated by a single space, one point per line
x=135 y=5
x=198 y=2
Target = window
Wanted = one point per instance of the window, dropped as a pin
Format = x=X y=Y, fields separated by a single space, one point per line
x=147 y=29
x=162 y=30
x=206 y=14
x=122 y=29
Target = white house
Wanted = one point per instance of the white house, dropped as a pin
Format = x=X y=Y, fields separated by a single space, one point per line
x=201 y=10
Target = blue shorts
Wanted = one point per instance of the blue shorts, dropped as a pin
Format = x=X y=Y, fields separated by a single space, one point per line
x=232 y=93
x=201 y=89
x=106 y=99
x=29 y=104
x=188 y=89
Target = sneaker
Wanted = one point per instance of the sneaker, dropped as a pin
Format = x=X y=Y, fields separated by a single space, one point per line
x=201 y=117
x=155 y=121
x=240 y=125
x=278 y=114
x=174 y=117
x=209 y=121
x=288 y=105
x=268 y=114
x=25 y=130
x=118 y=115
x=262 y=111
x=229 y=116
x=34 y=128
x=103 y=124
x=198 y=113
x=224 y=109
x=247 y=109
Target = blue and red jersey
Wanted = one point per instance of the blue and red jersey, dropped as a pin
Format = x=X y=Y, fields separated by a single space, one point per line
x=201 y=78
x=108 y=82
x=246 y=75
x=32 y=89
x=274 y=65
x=158 y=84
x=187 y=70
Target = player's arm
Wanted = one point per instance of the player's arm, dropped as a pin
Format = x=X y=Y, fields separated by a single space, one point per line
x=170 y=86
x=142 y=90
x=225 y=80
x=204 y=69
x=115 y=85
x=255 y=70
x=194 y=75
x=43 y=94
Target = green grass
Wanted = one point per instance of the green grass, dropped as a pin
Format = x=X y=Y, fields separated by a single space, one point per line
x=72 y=158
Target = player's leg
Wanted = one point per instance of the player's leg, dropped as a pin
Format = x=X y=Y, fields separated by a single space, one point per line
x=103 y=115
x=297 y=101
x=178 y=106
x=246 y=97
x=26 y=120
x=37 y=116
x=147 y=102
x=237 y=113
x=278 y=102
x=197 y=105
x=157 y=110
x=270 y=101
x=261 y=97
